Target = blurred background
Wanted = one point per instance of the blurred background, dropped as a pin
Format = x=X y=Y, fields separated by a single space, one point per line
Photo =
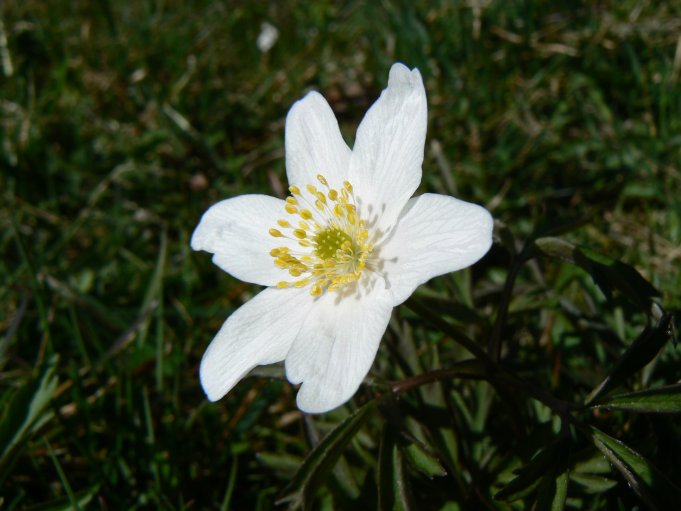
x=122 y=122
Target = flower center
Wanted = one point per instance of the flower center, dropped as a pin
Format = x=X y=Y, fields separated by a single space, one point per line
x=329 y=241
x=332 y=239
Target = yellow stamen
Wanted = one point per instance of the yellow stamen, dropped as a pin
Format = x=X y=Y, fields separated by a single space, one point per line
x=331 y=238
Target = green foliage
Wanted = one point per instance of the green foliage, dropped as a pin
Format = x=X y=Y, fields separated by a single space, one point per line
x=321 y=460
x=665 y=399
x=656 y=490
x=24 y=413
x=542 y=378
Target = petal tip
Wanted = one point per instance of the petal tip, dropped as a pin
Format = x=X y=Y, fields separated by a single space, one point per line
x=311 y=405
x=210 y=382
x=196 y=240
x=312 y=99
x=400 y=74
x=487 y=221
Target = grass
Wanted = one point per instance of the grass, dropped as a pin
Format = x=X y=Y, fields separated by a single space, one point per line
x=123 y=122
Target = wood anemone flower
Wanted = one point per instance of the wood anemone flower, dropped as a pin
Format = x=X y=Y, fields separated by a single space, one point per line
x=348 y=245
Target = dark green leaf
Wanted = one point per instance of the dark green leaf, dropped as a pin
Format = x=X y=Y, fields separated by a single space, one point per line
x=283 y=463
x=386 y=495
x=424 y=461
x=649 y=483
x=393 y=493
x=593 y=483
x=319 y=463
x=27 y=410
x=659 y=400
x=640 y=353
x=532 y=474
x=552 y=491
x=608 y=274
x=589 y=469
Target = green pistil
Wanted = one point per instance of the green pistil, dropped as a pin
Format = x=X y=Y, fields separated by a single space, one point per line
x=328 y=241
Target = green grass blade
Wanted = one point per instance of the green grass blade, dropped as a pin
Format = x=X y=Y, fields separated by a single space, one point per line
x=27 y=410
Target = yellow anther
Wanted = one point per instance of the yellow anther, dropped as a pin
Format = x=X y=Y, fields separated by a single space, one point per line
x=332 y=248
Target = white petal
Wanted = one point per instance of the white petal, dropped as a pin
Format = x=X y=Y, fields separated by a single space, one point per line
x=385 y=168
x=236 y=231
x=259 y=332
x=314 y=144
x=335 y=349
x=436 y=234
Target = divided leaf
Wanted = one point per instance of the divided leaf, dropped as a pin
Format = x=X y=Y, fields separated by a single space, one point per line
x=591 y=470
x=552 y=492
x=608 y=274
x=658 y=400
x=649 y=483
x=393 y=489
x=547 y=469
x=424 y=461
x=320 y=462
x=638 y=354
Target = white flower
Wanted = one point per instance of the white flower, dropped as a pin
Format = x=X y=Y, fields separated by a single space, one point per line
x=346 y=247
